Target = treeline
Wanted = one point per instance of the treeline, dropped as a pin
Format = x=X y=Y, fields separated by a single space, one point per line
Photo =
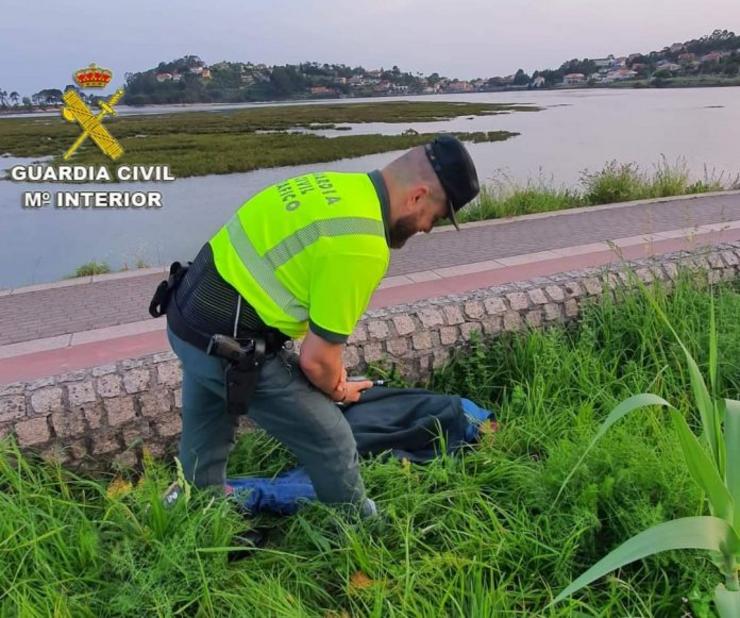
x=648 y=65
x=189 y=80
x=47 y=97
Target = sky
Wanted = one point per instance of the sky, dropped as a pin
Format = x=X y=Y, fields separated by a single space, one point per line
x=43 y=42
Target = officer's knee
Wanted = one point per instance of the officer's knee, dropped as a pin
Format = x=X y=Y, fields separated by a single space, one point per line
x=342 y=447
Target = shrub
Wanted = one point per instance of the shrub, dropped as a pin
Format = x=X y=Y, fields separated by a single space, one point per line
x=92 y=268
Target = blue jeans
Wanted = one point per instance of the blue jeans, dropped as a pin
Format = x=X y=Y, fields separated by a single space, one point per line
x=286 y=405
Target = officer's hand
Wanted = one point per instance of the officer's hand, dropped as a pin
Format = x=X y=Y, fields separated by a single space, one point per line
x=350 y=391
x=340 y=391
x=353 y=390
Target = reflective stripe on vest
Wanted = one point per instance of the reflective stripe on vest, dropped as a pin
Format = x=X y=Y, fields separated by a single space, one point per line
x=263 y=272
x=297 y=242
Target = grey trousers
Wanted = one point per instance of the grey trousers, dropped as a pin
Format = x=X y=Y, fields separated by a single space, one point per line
x=286 y=405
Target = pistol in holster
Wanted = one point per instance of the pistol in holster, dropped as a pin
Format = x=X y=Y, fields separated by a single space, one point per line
x=244 y=360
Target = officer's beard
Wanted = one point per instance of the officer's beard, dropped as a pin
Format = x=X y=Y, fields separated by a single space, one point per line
x=403 y=229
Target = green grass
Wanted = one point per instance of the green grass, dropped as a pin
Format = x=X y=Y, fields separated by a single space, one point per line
x=91 y=268
x=626 y=181
x=197 y=155
x=101 y=268
x=615 y=182
x=200 y=143
x=472 y=535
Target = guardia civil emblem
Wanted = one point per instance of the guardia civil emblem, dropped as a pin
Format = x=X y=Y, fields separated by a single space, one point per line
x=75 y=110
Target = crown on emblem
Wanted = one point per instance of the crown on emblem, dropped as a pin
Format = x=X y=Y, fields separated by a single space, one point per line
x=93 y=77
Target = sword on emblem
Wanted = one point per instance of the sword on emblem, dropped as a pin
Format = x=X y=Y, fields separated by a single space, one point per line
x=75 y=110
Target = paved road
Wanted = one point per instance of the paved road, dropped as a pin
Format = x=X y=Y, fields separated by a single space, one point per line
x=45 y=313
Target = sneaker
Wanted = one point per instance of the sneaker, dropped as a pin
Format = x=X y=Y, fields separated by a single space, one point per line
x=249 y=539
x=368 y=509
x=171 y=495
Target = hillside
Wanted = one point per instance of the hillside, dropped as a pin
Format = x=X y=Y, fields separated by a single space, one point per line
x=190 y=80
x=711 y=60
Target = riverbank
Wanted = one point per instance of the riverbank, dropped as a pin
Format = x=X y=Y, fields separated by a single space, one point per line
x=616 y=182
x=202 y=143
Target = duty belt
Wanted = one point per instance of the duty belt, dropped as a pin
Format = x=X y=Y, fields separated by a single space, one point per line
x=244 y=355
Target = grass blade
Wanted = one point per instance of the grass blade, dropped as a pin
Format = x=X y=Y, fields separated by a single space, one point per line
x=703 y=470
x=727 y=602
x=713 y=362
x=732 y=445
x=708 y=533
x=702 y=398
x=623 y=409
x=705 y=406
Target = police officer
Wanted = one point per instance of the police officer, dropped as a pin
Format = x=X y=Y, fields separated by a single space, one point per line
x=302 y=259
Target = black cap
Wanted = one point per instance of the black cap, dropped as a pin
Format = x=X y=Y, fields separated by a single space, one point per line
x=455 y=170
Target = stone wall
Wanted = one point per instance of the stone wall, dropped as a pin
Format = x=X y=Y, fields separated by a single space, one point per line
x=112 y=412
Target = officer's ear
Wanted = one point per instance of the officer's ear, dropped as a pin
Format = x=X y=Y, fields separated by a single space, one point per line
x=416 y=196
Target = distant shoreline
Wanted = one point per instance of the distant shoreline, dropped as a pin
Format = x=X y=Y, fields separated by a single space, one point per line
x=625 y=85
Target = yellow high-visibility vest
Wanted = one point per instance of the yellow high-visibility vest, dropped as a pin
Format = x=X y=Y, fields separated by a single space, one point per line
x=308 y=251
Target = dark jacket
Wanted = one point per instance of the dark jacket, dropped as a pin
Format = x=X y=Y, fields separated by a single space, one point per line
x=402 y=422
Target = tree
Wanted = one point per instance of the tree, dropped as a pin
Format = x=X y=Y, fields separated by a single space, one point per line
x=48 y=96
x=718 y=40
x=53 y=95
x=14 y=96
x=521 y=78
x=551 y=77
x=286 y=81
x=585 y=66
x=637 y=59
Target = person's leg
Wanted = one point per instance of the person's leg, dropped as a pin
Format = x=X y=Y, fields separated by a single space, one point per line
x=208 y=431
x=289 y=408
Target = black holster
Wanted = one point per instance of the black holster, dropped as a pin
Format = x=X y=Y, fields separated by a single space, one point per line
x=245 y=358
x=164 y=291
